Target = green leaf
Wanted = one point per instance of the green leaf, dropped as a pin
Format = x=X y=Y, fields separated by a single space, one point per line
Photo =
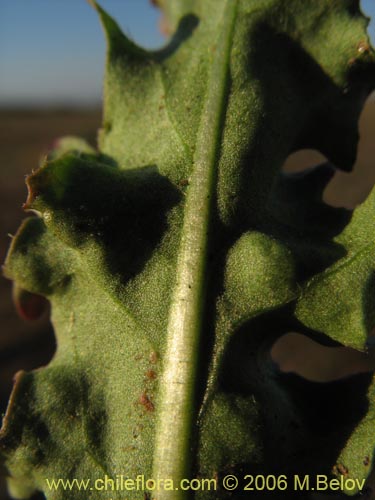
x=321 y=307
x=176 y=255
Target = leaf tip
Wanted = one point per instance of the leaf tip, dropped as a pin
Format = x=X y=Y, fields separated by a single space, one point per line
x=116 y=39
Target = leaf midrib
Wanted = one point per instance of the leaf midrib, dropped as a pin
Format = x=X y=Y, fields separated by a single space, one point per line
x=176 y=400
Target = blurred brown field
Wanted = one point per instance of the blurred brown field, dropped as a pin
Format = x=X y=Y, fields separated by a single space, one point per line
x=25 y=136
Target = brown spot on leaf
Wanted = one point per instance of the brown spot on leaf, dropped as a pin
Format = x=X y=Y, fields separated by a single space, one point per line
x=366 y=461
x=146 y=402
x=340 y=469
x=183 y=182
x=151 y=375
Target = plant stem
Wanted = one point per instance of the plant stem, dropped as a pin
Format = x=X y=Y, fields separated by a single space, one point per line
x=176 y=403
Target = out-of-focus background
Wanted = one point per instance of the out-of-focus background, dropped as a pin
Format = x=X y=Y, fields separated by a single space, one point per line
x=51 y=70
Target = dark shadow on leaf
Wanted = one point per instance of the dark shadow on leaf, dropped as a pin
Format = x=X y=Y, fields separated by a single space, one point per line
x=302 y=108
x=30 y=353
x=124 y=212
x=305 y=424
x=369 y=304
x=297 y=202
x=80 y=408
x=305 y=223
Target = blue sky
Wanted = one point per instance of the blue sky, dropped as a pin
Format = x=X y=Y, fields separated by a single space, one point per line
x=52 y=51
